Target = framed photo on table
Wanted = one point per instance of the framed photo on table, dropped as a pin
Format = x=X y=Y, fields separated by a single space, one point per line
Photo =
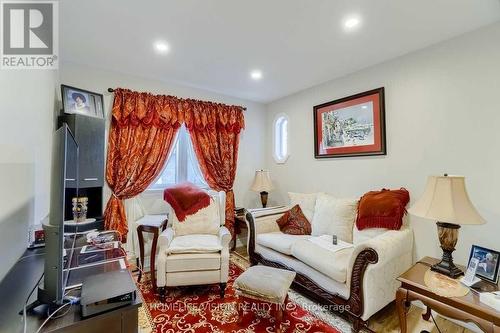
x=488 y=265
x=351 y=126
x=79 y=101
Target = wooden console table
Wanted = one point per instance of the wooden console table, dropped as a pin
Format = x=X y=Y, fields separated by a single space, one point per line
x=467 y=308
x=24 y=275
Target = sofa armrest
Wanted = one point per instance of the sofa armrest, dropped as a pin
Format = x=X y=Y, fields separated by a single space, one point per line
x=394 y=250
x=165 y=239
x=389 y=245
x=224 y=237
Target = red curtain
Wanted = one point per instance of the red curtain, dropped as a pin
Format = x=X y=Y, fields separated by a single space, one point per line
x=214 y=130
x=143 y=127
x=142 y=130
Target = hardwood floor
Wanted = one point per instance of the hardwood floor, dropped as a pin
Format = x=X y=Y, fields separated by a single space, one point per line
x=387 y=321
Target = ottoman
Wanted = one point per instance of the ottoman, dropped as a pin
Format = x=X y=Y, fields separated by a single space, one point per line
x=267 y=284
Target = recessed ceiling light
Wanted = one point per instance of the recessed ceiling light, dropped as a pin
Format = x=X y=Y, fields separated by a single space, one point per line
x=352 y=22
x=256 y=74
x=161 y=47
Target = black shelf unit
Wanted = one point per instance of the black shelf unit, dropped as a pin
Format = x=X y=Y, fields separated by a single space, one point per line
x=89 y=134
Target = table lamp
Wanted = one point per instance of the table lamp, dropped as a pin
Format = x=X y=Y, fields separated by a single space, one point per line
x=445 y=200
x=262 y=183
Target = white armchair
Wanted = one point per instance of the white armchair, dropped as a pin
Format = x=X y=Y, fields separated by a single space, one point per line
x=195 y=251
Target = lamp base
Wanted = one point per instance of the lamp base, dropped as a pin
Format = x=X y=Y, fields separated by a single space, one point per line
x=448 y=237
x=263 y=198
x=447 y=267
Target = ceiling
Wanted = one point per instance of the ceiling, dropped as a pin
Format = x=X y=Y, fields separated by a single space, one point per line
x=214 y=44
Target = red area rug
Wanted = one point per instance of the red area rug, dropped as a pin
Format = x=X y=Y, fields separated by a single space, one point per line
x=200 y=309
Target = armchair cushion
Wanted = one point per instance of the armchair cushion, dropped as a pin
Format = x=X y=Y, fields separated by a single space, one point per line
x=195 y=244
x=206 y=221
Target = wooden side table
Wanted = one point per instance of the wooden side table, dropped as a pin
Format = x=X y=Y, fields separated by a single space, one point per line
x=239 y=224
x=467 y=308
x=154 y=227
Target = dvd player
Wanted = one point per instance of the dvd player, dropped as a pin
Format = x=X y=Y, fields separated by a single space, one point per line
x=107 y=291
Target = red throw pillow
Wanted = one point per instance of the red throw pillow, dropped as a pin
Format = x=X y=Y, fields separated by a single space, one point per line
x=382 y=209
x=294 y=222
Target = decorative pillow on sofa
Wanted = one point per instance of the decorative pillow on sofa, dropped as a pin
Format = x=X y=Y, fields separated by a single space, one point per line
x=334 y=216
x=306 y=201
x=294 y=222
x=382 y=209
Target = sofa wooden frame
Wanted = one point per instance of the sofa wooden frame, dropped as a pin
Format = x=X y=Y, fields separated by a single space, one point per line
x=350 y=308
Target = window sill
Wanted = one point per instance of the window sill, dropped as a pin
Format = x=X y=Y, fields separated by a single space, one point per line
x=160 y=190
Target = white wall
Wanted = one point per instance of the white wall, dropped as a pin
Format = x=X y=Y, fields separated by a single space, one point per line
x=443 y=115
x=251 y=154
x=27 y=120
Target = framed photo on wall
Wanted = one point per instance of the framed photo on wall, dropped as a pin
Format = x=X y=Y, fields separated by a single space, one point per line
x=487 y=268
x=79 y=101
x=351 y=126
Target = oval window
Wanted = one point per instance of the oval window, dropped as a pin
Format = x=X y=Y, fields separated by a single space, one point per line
x=281 y=138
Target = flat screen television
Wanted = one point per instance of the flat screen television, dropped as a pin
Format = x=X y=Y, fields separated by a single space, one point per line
x=64 y=176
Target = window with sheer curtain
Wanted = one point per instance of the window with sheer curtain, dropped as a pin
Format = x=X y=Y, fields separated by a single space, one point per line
x=182 y=164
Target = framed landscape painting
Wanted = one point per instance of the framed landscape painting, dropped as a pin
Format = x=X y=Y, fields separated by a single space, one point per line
x=351 y=126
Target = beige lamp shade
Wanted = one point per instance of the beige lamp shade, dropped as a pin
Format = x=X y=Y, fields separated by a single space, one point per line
x=445 y=199
x=262 y=181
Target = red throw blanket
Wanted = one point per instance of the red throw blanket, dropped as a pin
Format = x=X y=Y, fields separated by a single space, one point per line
x=186 y=199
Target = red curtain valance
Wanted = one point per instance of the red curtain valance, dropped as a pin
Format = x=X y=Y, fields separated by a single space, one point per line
x=165 y=111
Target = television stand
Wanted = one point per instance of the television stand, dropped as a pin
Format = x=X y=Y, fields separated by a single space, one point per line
x=25 y=274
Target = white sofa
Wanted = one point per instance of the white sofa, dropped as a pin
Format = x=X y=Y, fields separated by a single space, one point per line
x=361 y=279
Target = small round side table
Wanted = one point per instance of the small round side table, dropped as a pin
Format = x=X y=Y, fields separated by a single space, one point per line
x=154 y=227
